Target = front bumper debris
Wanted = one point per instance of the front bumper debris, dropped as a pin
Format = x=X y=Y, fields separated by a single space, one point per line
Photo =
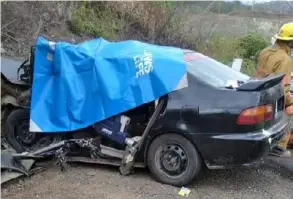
x=12 y=168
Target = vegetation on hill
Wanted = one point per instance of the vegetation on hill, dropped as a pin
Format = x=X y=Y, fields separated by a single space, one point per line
x=227 y=7
x=225 y=49
x=189 y=25
x=249 y=48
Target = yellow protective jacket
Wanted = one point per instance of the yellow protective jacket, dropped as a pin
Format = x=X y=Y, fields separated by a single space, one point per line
x=276 y=59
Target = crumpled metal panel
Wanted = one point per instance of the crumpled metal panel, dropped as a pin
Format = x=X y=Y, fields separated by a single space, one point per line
x=9 y=69
x=12 y=168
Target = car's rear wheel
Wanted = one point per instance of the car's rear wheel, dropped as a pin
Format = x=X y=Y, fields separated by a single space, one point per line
x=173 y=159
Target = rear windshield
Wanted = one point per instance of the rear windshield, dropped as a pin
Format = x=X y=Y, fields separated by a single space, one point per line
x=212 y=71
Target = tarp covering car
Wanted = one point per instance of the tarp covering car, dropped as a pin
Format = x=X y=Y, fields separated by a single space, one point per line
x=77 y=85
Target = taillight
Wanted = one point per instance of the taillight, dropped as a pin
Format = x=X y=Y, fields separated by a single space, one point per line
x=255 y=115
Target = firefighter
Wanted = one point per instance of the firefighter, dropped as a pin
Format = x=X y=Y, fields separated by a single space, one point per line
x=278 y=59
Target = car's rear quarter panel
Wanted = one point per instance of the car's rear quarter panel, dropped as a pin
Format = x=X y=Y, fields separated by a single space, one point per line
x=214 y=113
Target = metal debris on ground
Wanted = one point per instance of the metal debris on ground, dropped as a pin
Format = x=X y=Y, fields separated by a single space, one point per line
x=10 y=171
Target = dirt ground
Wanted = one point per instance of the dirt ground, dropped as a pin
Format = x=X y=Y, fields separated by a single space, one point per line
x=91 y=181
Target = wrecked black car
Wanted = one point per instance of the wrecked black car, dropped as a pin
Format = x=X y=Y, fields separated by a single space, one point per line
x=198 y=120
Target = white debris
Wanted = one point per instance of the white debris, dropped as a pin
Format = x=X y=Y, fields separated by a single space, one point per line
x=232 y=84
x=184 y=192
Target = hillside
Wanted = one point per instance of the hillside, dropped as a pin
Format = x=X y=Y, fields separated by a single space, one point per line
x=213 y=28
x=275 y=7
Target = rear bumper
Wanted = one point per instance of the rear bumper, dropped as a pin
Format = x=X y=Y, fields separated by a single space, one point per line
x=275 y=130
x=231 y=150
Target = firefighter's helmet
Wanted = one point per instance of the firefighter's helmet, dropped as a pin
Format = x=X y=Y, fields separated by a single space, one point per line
x=286 y=32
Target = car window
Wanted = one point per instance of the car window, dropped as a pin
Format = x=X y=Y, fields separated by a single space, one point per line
x=212 y=71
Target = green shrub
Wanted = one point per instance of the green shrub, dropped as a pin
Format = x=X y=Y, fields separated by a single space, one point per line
x=249 y=47
x=248 y=67
x=225 y=49
x=96 y=21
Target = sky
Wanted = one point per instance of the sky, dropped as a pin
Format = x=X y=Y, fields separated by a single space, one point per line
x=255 y=1
x=251 y=1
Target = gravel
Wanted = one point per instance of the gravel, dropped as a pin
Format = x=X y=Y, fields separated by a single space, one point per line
x=100 y=182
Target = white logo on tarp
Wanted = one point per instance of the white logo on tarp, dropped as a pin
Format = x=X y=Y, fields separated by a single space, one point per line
x=143 y=63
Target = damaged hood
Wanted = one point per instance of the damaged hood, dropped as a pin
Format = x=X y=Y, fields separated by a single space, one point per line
x=77 y=85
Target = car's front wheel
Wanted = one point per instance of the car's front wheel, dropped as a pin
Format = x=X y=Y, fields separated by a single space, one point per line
x=173 y=159
x=18 y=136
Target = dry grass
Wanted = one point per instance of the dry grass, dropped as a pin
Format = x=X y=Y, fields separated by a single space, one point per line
x=24 y=21
x=153 y=22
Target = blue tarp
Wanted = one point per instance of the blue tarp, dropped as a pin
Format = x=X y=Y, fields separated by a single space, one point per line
x=77 y=85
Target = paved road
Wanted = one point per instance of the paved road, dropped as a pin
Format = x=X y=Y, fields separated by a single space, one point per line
x=270 y=180
x=285 y=163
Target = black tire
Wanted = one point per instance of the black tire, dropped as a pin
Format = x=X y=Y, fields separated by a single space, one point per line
x=10 y=127
x=193 y=165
